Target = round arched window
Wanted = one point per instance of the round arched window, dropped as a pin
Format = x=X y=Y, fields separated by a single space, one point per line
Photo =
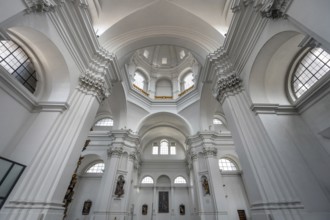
x=15 y=61
x=311 y=68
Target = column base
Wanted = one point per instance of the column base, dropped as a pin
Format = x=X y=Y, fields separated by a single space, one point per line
x=15 y=210
x=110 y=215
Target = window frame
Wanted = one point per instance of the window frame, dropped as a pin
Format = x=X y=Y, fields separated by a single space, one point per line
x=292 y=71
x=90 y=165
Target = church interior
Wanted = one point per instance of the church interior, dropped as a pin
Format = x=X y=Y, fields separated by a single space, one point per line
x=164 y=110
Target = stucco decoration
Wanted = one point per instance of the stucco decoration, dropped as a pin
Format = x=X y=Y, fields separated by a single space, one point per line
x=40 y=5
x=94 y=85
x=274 y=9
x=228 y=84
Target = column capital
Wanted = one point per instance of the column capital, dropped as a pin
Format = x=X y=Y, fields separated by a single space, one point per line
x=210 y=151
x=275 y=9
x=226 y=85
x=115 y=152
x=40 y=5
x=93 y=84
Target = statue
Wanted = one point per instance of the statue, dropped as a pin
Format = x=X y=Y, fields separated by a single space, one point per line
x=120 y=186
x=144 y=209
x=205 y=185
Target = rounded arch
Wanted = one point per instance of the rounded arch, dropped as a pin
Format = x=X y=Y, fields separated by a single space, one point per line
x=165 y=123
x=89 y=160
x=164 y=87
x=54 y=74
x=267 y=81
x=233 y=159
x=163 y=180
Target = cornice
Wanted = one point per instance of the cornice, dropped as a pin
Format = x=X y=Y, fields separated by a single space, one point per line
x=74 y=25
x=250 y=18
x=125 y=137
x=274 y=109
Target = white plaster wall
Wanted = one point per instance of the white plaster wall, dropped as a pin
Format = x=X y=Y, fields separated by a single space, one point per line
x=86 y=189
x=13 y=116
x=317 y=116
x=311 y=16
x=236 y=196
x=191 y=114
x=11 y=7
x=304 y=159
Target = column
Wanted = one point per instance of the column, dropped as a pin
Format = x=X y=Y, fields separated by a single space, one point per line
x=101 y=211
x=270 y=191
x=215 y=182
x=41 y=189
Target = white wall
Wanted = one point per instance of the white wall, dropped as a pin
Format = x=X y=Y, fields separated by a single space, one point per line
x=236 y=196
x=86 y=189
x=12 y=118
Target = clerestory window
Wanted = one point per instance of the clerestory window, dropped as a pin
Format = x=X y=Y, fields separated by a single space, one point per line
x=226 y=164
x=311 y=68
x=15 y=61
x=95 y=168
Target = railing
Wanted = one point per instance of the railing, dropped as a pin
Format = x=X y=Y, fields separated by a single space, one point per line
x=141 y=90
x=163 y=97
x=185 y=91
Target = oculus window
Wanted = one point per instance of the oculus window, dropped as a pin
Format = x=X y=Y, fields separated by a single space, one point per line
x=311 y=68
x=17 y=63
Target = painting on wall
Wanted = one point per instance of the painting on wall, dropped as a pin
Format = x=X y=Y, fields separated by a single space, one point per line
x=163 y=202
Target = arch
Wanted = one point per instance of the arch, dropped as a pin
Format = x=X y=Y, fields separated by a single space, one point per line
x=226 y=164
x=95 y=167
x=164 y=87
x=163 y=180
x=270 y=68
x=180 y=180
x=165 y=123
x=147 y=180
x=54 y=76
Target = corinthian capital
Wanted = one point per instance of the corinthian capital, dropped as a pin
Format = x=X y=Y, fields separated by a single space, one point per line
x=40 y=5
x=229 y=84
x=274 y=8
x=93 y=84
x=115 y=152
x=210 y=151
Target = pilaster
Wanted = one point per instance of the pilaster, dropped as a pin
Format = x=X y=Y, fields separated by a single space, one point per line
x=270 y=190
x=203 y=156
x=123 y=160
x=42 y=187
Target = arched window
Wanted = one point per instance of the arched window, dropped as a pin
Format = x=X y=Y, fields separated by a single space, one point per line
x=17 y=63
x=188 y=81
x=180 y=180
x=173 y=148
x=96 y=168
x=139 y=80
x=155 y=148
x=217 y=121
x=164 y=147
x=104 y=122
x=226 y=164
x=147 y=179
x=312 y=67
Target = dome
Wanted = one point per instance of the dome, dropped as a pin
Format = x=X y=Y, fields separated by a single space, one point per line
x=163 y=56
